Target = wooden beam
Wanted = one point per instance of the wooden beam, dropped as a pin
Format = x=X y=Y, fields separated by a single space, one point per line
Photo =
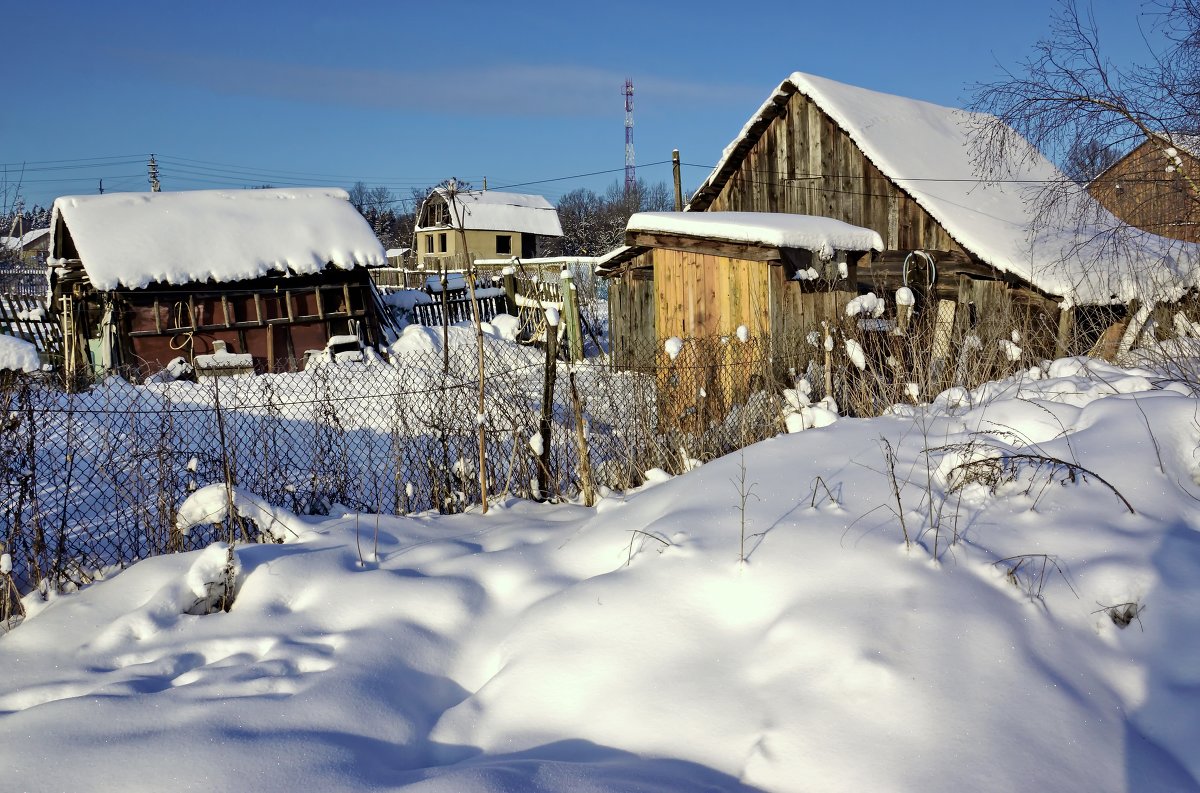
x=359 y=314
x=678 y=242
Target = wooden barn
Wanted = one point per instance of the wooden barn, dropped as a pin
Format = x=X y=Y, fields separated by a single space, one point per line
x=140 y=279
x=1148 y=188
x=697 y=275
x=904 y=169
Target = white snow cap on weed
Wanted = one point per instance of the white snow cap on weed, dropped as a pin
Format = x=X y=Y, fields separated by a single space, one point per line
x=855 y=352
x=1012 y=351
x=869 y=305
x=673 y=347
x=905 y=297
x=743 y=333
x=552 y=317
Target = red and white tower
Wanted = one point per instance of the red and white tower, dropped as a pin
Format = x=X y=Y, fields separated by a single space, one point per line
x=630 y=171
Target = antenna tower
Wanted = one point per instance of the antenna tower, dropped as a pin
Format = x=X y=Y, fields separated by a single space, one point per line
x=630 y=170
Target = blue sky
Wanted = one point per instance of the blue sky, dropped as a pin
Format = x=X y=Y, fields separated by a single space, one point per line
x=406 y=94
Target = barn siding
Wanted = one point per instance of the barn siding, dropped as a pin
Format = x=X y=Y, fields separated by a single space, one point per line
x=1139 y=190
x=700 y=295
x=631 y=319
x=805 y=164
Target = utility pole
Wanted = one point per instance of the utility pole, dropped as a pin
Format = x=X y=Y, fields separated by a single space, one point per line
x=678 y=184
x=155 y=187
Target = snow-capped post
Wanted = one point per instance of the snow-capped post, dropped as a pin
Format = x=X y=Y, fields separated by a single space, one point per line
x=508 y=278
x=452 y=191
x=10 y=598
x=445 y=301
x=905 y=300
x=570 y=304
x=543 y=473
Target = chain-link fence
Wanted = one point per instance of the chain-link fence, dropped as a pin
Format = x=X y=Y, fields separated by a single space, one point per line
x=93 y=479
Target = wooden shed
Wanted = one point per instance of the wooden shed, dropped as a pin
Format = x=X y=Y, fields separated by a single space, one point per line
x=715 y=303
x=139 y=279
x=904 y=168
x=705 y=275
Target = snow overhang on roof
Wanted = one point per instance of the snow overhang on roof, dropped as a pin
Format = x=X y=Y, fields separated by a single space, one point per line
x=823 y=236
x=489 y=210
x=925 y=150
x=131 y=240
x=756 y=232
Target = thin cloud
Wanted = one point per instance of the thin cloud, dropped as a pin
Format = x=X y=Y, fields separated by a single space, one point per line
x=497 y=90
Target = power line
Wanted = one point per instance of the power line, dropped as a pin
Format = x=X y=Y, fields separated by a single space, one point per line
x=579 y=175
x=135 y=157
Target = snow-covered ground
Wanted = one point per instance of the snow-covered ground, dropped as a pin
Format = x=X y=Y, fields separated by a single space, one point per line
x=627 y=647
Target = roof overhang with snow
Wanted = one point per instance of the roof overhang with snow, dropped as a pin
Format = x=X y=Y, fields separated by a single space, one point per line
x=131 y=240
x=924 y=149
x=490 y=210
x=757 y=236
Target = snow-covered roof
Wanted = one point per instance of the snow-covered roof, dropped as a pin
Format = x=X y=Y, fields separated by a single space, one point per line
x=131 y=240
x=821 y=235
x=490 y=210
x=390 y=252
x=924 y=149
x=26 y=240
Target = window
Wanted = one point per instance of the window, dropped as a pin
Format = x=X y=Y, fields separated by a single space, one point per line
x=442 y=242
x=436 y=214
x=429 y=244
x=503 y=244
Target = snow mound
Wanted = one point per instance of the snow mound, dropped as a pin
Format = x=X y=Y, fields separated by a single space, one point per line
x=699 y=634
x=18 y=355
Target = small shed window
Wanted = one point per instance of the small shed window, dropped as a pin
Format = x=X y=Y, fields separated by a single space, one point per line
x=503 y=244
x=442 y=242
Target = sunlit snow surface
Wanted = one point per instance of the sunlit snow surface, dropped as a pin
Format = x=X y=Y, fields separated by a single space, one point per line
x=627 y=648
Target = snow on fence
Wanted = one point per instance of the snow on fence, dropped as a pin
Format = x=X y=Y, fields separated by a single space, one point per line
x=26 y=317
x=92 y=480
x=458 y=308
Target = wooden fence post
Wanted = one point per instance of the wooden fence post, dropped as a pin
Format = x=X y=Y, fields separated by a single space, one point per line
x=570 y=302
x=509 y=281
x=544 y=423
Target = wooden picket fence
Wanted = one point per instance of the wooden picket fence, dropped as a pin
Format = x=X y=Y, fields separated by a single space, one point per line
x=26 y=317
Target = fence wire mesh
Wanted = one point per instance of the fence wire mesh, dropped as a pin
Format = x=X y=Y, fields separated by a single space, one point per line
x=93 y=479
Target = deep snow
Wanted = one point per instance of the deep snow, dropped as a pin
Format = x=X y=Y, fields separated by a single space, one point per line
x=627 y=648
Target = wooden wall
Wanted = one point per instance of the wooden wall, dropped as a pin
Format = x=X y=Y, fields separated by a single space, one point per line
x=1139 y=190
x=805 y=164
x=702 y=296
x=631 y=319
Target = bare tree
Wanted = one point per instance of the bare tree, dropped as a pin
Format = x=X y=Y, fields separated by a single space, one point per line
x=1088 y=159
x=1069 y=96
x=1070 y=101
x=595 y=224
